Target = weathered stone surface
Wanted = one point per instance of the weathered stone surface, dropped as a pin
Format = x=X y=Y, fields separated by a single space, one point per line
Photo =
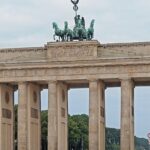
x=96 y=115
x=52 y=116
x=61 y=65
x=127 y=114
x=80 y=60
x=29 y=129
x=6 y=117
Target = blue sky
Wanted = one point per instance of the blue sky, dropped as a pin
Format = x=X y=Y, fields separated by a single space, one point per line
x=26 y=23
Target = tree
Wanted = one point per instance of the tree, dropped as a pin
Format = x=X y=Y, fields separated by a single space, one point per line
x=78 y=133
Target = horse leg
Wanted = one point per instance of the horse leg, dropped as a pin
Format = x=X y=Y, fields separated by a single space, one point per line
x=68 y=36
x=62 y=38
x=54 y=36
x=65 y=38
x=92 y=35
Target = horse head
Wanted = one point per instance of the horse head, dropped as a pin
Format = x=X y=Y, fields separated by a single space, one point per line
x=66 y=24
x=54 y=25
x=92 y=23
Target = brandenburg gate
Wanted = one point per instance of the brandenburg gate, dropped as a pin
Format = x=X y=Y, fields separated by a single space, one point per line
x=60 y=66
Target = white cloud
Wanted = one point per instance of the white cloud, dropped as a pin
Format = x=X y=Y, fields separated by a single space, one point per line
x=28 y=22
x=116 y=21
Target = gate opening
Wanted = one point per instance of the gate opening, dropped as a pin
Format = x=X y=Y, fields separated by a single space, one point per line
x=44 y=119
x=142 y=121
x=16 y=119
x=78 y=116
x=113 y=112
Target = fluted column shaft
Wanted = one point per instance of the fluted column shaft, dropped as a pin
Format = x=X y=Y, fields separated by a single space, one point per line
x=52 y=116
x=22 y=117
x=96 y=115
x=127 y=114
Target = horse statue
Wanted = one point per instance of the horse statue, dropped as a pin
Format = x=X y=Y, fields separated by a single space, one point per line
x=90 y=30
x=68 y=32
x=79 y=29
x=58 y=32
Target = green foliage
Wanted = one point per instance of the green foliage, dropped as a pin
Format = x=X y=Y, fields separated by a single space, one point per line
x=78 y=133
x=112 y=139
x=141 y=144
x=44 y=124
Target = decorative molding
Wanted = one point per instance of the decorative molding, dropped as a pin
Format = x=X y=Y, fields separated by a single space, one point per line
x=21 y=50
x=71 y=52
x=34 y=113
x=6 y=113
x=22 y=54
x=74 y=60
x=63 y=112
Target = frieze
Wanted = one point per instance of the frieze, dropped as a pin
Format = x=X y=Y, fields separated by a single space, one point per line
x=42 y=74
x=77 y=50
x=71 y=71
x=84 y=59
x=71 y=52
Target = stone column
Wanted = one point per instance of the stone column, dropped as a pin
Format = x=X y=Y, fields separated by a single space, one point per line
x=22 y=116
x=101 y=123
x=6 y=117
x=62 y=95
x=34 y=120
x=29 y=130
x=57 y=116
x=52 y=116
x=127 y=114
x=96 y=115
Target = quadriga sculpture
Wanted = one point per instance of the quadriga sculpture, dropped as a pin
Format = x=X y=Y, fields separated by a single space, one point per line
x=79 y=31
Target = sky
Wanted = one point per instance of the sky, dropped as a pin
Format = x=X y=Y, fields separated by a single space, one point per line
x=29 y=22
x=26 y=23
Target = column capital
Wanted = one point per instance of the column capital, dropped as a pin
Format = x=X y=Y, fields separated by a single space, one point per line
x=52 y=81
x=93 y=80
x=22 y=82
x=96 y=80
x=127 y=80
